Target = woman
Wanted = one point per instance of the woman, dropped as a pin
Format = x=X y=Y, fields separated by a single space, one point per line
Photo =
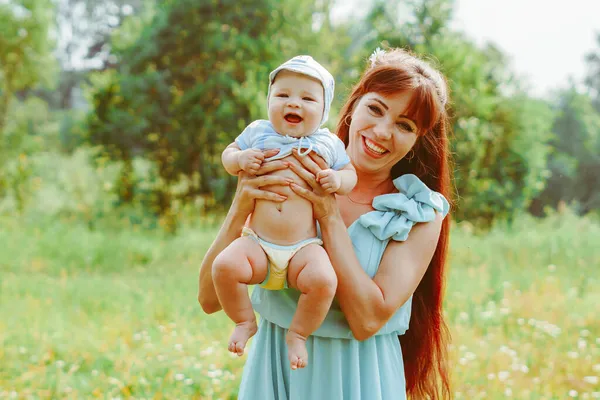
x=394 y=126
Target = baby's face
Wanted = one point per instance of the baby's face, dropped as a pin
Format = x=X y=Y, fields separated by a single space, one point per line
x=296 y=104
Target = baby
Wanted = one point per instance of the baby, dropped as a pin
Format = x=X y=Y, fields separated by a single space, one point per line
x=279 y=247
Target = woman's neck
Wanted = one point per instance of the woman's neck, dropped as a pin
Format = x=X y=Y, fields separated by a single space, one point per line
x=371 y=185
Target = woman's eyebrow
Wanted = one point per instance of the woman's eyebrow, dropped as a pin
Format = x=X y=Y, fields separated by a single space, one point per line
x=399 y=116
x=402 y=116
x=382 y=104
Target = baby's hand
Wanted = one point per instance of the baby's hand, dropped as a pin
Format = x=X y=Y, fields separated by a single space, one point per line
x=250 y=160
x=329 y=180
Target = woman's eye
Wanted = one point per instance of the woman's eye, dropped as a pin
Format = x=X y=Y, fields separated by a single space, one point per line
x=282 y=95
x=405 y=126
x=376 y=110
x=308 y=99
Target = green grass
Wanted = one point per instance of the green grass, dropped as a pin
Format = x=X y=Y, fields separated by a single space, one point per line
x=110 y=313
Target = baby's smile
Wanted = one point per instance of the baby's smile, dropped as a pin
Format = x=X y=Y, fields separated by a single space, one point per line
x=293 y=118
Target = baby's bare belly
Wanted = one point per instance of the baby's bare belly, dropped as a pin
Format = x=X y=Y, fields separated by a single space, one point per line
x=284 y=223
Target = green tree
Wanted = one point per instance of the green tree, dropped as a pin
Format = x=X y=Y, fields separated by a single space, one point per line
x=195 y=77
x=25 y=48
x=575 y=158
x=84 y=29
x=25 y=61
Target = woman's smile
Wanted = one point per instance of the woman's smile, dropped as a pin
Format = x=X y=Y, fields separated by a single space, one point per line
x=372 y=148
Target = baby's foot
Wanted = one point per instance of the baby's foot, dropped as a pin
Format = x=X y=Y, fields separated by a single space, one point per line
x=242 y=332
x=297 y=353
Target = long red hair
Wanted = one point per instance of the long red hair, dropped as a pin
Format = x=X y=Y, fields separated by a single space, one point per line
x=424 y=345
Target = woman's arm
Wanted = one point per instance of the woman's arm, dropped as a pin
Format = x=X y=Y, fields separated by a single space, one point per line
x=230 y=230
x=248 y=190
x=368 y=303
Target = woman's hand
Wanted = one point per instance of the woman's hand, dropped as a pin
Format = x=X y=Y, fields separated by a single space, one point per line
x=251 y=187
x=307 y=168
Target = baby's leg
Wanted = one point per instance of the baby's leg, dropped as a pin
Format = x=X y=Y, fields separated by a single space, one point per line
x=243 y=262
x=310 y=271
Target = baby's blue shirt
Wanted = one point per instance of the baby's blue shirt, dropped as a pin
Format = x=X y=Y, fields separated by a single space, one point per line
x=261 y=135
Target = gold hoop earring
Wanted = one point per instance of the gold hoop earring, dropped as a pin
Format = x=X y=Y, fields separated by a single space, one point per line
x=346 y=119
x=412 y=155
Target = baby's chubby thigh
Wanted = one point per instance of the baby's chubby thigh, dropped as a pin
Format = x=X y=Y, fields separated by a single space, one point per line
x=242 y=261
x=310 y=270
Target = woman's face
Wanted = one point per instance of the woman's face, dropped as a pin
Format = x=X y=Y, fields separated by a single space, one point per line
x=380 y=134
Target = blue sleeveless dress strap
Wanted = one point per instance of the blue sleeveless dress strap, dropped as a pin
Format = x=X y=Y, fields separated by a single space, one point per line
x=339 y=366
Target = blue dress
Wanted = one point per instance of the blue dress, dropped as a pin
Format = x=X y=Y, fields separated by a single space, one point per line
x=339 y=366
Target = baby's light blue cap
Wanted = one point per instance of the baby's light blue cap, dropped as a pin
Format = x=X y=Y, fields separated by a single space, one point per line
x=306 y=65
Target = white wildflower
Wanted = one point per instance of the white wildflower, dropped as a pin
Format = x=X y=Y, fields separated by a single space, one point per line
x=214 y=373
x=208 y=351
x=373 y=58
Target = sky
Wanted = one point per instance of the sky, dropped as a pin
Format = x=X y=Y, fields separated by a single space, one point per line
x=545 y=40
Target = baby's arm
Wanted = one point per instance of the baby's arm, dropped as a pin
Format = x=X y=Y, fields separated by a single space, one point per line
x=341 y=182
x=235 y=160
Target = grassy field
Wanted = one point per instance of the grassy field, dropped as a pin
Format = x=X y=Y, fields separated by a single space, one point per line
x=113 y=314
